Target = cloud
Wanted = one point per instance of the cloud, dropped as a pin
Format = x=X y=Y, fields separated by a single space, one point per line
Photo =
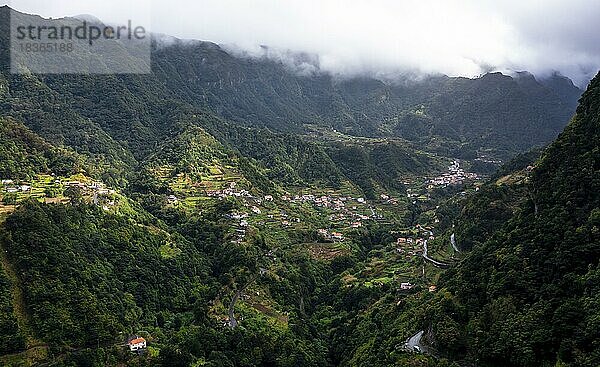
x=350 y=37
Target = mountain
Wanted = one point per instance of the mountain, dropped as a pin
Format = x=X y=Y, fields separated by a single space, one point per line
x=495 y=114
x=119 y=120
x=519 y=112
x=563 y=86
x=527 y=295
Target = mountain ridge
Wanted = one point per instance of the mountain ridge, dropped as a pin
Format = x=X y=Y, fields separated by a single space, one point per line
x=261 y=92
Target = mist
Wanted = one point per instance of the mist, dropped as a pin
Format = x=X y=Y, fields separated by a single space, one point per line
x=381 y=37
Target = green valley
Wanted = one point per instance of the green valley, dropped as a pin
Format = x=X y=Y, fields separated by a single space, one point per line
x=226 y=210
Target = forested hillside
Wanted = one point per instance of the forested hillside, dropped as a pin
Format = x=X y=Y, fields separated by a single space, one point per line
x=119 y=117
x=118 y=121
x=24 y=154
x=527 y=294
x=508 y=114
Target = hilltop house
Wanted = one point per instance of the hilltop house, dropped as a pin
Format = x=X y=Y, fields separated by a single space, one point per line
x=137 y=344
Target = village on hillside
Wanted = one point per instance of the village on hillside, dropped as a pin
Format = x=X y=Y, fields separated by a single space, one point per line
x=454 y=176
x=51 y=189
x=332 y=218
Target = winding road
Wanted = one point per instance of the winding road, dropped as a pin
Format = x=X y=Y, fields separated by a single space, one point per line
x=414 y=342
x=439 y=264
x=453 y=242
x=232 y=320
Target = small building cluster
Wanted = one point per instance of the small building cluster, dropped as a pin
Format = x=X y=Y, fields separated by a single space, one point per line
x=51 y=190
x=330 y=236
x=12 y=187
x=454 y=176
x=231 y=191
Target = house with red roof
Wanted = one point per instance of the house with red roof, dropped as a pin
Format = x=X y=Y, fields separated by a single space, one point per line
x=137 y=344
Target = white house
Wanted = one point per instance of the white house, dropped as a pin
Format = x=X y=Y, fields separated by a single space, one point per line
x=137 y=344
x=337 y=236
x=406 y=286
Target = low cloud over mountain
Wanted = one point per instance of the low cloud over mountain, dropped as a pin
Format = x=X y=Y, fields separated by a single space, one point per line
x=453 y=37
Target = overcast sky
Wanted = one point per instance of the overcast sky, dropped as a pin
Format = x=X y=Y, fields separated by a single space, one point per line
x=453 y=37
